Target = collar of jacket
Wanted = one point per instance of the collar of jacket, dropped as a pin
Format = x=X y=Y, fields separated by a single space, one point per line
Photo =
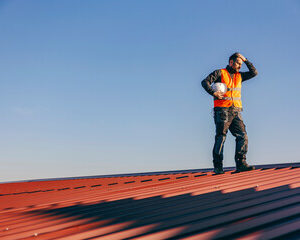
x=230 y=69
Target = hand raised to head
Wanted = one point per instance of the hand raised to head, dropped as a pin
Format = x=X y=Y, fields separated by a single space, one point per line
x=242 y=57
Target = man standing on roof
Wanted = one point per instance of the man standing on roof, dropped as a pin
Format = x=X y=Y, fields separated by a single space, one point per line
x=227 y=110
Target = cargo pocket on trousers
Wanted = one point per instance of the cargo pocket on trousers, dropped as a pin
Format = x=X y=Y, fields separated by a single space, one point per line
x=221 y=116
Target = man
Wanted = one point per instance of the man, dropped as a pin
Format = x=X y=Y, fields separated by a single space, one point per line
x=227 y=110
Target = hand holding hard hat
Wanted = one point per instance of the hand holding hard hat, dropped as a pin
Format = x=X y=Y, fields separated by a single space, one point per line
x=219 y=90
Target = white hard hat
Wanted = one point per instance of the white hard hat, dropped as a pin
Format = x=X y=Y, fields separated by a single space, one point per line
x=219 y=87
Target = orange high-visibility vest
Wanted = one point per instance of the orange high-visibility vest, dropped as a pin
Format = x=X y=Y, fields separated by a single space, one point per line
x=233 y=94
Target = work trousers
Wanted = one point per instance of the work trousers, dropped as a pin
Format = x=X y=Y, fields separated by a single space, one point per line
x=229 y=118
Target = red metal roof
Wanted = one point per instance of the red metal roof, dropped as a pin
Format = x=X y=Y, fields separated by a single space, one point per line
x=195 y=204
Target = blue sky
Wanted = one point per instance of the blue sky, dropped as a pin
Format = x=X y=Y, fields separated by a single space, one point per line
x=106 y=87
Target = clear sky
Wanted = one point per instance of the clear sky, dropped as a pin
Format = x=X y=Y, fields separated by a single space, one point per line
x=106 y=87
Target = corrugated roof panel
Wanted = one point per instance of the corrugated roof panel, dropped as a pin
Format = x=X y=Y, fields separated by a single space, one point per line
x=260 y=204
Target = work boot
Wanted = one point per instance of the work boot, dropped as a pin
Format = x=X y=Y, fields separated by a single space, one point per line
x=218 y=168
x=242 y=166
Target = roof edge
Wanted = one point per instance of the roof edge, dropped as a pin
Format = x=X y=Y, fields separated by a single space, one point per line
x=264 y=166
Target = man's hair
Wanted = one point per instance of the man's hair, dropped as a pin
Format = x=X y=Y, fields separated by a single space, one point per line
x=234 y=56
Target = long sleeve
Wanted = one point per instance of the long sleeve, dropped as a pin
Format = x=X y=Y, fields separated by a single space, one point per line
x=251 y=73
x=209 y=80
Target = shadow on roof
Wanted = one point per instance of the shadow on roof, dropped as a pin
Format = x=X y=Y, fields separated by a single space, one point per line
x=213 y=215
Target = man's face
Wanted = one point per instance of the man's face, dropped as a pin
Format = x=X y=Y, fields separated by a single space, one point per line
x=237 y=64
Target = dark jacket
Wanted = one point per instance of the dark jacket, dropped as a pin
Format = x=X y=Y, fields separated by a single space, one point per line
x=215 y=76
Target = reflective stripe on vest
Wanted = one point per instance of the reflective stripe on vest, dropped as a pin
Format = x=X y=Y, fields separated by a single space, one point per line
x=234 y=99
x=234 y=89
x=233 y=94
